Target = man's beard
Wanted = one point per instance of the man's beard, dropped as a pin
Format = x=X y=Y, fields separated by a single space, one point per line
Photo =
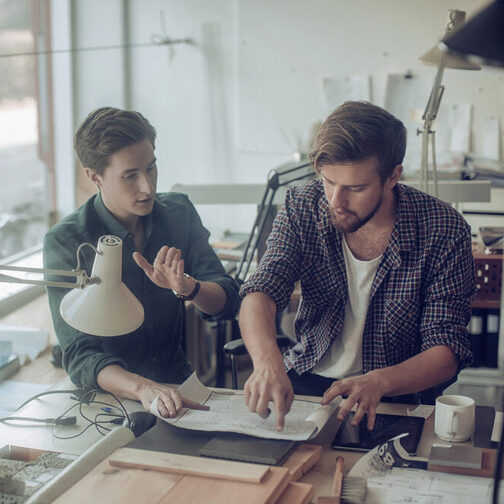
x=356 y=224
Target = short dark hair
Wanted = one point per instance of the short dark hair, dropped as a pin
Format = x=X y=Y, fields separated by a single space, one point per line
x=107 y=130
x=358 y=130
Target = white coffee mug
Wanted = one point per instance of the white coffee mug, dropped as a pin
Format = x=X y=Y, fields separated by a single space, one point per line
x=454 y=418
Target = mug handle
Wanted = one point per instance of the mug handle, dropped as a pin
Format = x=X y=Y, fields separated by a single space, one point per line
x=452 y=416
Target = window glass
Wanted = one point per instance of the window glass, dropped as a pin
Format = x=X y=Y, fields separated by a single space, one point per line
x=23 y=187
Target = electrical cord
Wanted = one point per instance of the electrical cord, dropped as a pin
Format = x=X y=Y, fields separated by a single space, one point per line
x=84 y=397
x=100 y=419
x=61 y=420
x=77 y=394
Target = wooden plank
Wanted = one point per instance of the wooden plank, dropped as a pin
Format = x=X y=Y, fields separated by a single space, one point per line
x=487 y=466
x=214 y=491
x=25 y=454
x=185 y=464
x=302 y=459
x=297 y=493
x=116 y=486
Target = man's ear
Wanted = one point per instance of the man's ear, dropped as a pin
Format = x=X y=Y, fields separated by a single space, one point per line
x=395 y=176
x=93 y=176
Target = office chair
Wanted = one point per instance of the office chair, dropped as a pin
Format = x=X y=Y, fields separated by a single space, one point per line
x=276 y=178
x=237 y=347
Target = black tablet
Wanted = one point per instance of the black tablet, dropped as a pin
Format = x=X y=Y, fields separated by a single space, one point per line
x=359 y=438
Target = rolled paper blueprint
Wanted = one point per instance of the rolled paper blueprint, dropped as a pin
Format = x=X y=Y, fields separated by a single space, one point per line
x=116 y=438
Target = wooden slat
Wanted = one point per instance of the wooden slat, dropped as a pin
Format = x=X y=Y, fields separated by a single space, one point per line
x=117 y=486
x=302 y=459
x=111 y=483
x=195 y=489
x=487 y=466
x=297 y=493
x=329 y=499
x=185 y=464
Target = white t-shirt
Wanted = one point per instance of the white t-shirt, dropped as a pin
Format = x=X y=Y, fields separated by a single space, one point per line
x=344 y=357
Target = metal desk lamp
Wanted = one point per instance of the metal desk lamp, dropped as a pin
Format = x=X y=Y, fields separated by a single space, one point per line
x=481 y=40
x=437 y=57
x=100 y=305
x=493 y=238
x=276 y=178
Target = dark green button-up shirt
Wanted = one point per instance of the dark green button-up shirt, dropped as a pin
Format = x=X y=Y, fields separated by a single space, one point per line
x=155 y=349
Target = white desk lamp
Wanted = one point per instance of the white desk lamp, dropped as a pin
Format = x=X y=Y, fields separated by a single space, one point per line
x=443 y=60
x=101 y=305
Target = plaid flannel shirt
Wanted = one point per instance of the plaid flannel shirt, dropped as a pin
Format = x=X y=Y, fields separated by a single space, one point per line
x=421 y=294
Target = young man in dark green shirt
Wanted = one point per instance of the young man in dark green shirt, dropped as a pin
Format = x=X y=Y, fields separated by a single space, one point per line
x=166 y=256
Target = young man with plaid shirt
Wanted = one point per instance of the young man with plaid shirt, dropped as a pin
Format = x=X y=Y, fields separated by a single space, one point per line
x=386 y=273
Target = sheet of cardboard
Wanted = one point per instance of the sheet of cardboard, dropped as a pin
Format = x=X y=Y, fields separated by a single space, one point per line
x=233 y=446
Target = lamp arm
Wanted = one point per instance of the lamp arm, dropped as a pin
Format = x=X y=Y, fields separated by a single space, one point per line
x=436 y=94
x=289 y=175
x=304 y=169
x=429 y=115
x=82 y=280
x=254 y=236
x=434 y=164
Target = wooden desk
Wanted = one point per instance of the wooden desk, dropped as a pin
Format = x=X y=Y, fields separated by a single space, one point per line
x=40 y=437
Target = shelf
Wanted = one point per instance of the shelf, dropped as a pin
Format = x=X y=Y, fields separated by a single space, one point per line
x=482 y=371
x=481 y=376
x=486 y=303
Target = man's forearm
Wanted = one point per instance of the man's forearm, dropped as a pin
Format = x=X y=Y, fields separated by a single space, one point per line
x=120 y=382
x=258 y=328
x=431 y=367
x=211 y=298
x=269 y=381
x=427 y=369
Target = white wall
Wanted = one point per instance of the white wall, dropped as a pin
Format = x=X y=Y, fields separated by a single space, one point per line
x=99 y=75
x=233 y=105
x=188 y=91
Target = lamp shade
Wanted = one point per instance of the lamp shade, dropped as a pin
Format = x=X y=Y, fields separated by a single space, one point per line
x=434 y=56
x=106 y=308
x=481 y=39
